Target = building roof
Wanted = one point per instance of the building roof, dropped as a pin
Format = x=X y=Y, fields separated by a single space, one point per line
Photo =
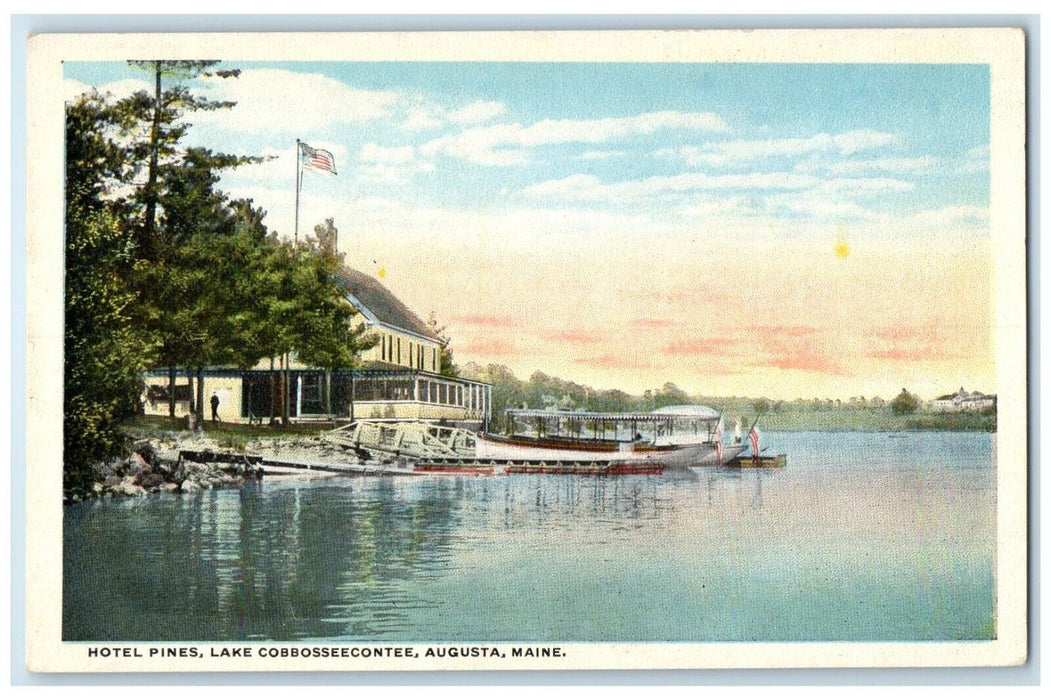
x=379 y=305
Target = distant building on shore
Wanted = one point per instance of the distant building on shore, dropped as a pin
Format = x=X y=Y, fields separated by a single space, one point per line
x=964 y=400
x=399 y=377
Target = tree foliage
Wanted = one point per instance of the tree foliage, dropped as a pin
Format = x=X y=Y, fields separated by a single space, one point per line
x=904 y=403
x=104 y=354
x=446 y=364
x=163 y=269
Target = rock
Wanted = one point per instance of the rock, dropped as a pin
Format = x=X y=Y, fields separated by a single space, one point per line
x=145 y=450
x=128 y=487
x=149 y=479
x=190 y=486
x=111 y=482
x=168 y=487
x=133 y=465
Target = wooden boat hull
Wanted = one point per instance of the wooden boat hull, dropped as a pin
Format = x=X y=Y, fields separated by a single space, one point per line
x=670 y=456
x=485 y=467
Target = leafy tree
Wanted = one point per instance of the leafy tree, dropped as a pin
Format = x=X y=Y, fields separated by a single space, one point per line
x=327 y=236
x=307 y=312
x=446 y=365
x=163 y=111
x=904 y=403
x=104 y=354
x=324 y=334
x=194 y=285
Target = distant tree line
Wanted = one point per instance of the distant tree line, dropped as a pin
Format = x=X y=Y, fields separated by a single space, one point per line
x=544 y=391
x=165 y=270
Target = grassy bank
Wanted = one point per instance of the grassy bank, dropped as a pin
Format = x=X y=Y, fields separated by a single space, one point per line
x=785 y=418
x=792 y=418
x=231 y=435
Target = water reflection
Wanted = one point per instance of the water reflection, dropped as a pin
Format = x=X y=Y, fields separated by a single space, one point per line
x=443 y=557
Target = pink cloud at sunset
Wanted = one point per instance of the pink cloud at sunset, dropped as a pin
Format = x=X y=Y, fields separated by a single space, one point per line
x=912 y=344
x=794 y=348
x=610 y=361
x=491 y=348
x=485 y=321
x=650 y=323
x=575 y=337
x=791 y=331
x=902 y=355
x=700 y=346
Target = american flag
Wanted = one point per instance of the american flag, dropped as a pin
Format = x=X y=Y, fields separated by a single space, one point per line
x=316 y=158
x=719 y=441
x=753 y=437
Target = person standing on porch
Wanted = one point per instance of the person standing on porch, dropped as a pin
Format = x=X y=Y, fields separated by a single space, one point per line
x=215 y=407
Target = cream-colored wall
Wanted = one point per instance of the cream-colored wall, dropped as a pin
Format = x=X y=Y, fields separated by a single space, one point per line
x=376 y=354
x=228 y=388
x=403 y=410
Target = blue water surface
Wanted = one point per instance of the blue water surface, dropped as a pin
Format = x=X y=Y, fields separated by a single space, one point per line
x=862 y=537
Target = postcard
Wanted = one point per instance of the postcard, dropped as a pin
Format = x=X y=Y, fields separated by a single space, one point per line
x=526 y=350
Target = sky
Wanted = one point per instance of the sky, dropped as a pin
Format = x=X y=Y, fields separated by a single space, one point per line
x=780 y=230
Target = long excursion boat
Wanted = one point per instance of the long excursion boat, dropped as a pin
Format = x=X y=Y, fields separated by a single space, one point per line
x=552 y=441
x=674 y=436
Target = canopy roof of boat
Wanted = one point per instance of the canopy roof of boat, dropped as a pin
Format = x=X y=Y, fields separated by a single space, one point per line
x=668 y=413
x=690 y=410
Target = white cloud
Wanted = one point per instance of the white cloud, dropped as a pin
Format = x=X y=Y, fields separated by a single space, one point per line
x=864 y=187
x=373 y=153
x=602 y=155
x=506 y=144
x=287 y=102
x=588 y=187
x=477 y=112
x=975 y=160
x=390 y=164
x=887 y=165
x=863 y=140
x=816 y=206
x=392 y=173
x=721 y=153
x=704 y=208
x=278 y=169
x=423 y=117
x=954 y=217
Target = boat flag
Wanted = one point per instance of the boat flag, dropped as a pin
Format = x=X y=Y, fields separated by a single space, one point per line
x=316 y=158
x=719 y=441
x=753 y=437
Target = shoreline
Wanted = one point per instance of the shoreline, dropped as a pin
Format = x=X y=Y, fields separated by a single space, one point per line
x=177 y=462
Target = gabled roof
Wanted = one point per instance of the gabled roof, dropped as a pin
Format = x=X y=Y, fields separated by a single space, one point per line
x=380 y=306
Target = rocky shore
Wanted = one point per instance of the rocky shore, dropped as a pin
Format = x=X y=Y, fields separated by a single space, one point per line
x=159 y=463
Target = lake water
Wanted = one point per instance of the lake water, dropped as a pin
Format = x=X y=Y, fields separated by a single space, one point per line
x=863 y=537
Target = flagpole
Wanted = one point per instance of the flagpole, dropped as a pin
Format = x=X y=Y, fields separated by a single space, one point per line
x=299 y=179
